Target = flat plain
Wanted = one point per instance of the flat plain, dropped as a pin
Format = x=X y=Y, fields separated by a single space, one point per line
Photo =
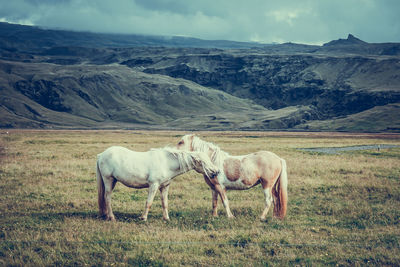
x=344 y=209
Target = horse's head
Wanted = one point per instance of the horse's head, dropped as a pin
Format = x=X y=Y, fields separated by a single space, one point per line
x=202 y=164
x=186 y=142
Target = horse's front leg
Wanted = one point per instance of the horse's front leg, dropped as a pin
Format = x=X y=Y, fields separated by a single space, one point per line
x=150 y=197
x=214 y=196
x=164 y=201
x=222 y=193
x=214 y=202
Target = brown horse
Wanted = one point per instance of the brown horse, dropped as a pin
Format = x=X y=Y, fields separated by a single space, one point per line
x=243 y=172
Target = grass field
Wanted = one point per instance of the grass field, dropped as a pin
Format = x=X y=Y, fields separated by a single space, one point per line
x=343 y=209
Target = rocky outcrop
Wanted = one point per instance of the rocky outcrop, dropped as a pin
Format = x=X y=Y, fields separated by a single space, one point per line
x=335 y=86
x=350 y=41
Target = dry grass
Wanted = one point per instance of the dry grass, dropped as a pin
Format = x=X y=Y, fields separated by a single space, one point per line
x=343 y=209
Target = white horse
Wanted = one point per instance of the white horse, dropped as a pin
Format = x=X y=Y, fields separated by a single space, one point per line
x=243 y=172
x=153 y=169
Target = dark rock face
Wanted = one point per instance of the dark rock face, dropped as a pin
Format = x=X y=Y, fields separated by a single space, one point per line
x=281 y=81
x=46 y=93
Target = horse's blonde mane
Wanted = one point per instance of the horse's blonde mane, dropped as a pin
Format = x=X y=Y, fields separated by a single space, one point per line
x=185 y=159
x=217 y=157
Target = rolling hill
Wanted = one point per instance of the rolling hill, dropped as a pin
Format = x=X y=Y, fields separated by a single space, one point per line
x=63 y=79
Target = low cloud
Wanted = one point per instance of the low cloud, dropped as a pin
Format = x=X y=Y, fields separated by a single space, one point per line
x=310 y=21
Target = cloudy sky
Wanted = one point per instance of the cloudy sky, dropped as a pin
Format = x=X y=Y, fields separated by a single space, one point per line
x=302 y=21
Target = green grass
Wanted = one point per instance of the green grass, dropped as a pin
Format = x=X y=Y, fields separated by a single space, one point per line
x=343 y=209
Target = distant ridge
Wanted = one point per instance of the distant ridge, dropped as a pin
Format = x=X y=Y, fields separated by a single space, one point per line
x=38 y=37
x=351 y=40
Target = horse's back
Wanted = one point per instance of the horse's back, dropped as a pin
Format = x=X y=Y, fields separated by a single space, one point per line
x=266 y=155
x=118 y=157
x=127 y=166
x=120 y=153
x=115 y=150
x=266 y=160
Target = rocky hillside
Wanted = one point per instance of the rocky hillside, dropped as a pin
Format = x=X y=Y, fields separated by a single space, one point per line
x=37 y=94
x=79 y=80
x=332 y=85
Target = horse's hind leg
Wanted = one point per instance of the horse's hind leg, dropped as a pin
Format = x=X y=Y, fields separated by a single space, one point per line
x=268 y=202
x=109 y=185
x=152 y=192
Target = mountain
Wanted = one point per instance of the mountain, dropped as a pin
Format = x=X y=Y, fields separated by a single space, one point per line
x=21 y=37
x=64 y=79
x=351 y=40
x=353 y=45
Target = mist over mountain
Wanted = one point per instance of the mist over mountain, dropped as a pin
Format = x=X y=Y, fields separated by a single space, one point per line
x=65 y=79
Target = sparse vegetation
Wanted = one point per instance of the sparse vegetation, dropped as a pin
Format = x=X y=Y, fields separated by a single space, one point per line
x=343 y=209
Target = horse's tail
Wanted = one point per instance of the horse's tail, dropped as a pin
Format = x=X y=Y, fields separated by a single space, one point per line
x=100 y=191
x=280 y=193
